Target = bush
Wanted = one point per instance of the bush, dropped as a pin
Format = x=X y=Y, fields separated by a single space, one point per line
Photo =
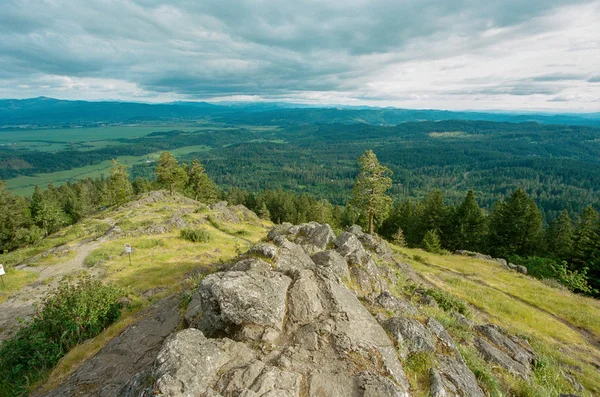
x=431 y=242
x=448 y=302
x=546 y=268
x=76 y=310
x=97 y=256
x=195 y=235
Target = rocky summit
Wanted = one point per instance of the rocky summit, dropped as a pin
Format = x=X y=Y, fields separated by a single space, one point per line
x=309 y=313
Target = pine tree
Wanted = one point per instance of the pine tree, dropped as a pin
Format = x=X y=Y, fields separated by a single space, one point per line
x=169 y=174
x=370 y=187
x=263 y=212
x=200 y=186
x=398 y=238
x=15 y=219
x=433 y=214
x=119 y=187
x=470 y=225
x=586 y=239
x=560 y=235
x=516 y=226
x=431 y=242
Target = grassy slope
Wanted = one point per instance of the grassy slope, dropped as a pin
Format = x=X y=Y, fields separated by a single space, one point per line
x=161 y=264
x=562 y=326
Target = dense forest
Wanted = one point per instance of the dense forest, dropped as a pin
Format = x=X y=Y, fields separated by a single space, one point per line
x=557 y=165
x=567 y=250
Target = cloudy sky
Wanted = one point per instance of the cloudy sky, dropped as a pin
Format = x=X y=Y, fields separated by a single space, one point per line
x=447 y=54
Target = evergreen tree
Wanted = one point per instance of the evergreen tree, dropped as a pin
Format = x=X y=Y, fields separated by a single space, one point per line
x=200 y=187
x=431 y=242
x=586 y=239
x=50 y=216
x=398 y=238
x=560 y=235
x=169 y=174
x=469 y=226
x=141 y=185
x=119 y=187
x=370 y=187
x=15 y=220
x=263 y=212
x=433 y=214
x=516 y=226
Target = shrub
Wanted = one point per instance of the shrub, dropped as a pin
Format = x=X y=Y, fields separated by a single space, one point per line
x=195 y=235
x=97 y=256
x=448 y=302
x=150 y=243
x=74 y=311
x=546 y=268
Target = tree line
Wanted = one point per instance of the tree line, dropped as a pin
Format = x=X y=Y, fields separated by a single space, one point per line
x=567 y=249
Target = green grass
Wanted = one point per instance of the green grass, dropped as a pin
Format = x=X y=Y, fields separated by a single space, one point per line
x=14 y=280
x=559 y=323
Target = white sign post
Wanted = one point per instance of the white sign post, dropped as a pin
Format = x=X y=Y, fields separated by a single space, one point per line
x=2 y=273
x=128 y=249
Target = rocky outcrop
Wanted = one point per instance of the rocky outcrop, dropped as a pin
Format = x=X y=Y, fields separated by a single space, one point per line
x=282 y=321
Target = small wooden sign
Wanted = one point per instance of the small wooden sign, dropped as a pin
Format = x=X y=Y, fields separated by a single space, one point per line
x=2 y=272
x=128 y=248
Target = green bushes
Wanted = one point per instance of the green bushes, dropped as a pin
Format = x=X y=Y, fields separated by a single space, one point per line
x=546 y=268
x=195 y=235
x=76 y=310
x=97 y=256
x=448 y=302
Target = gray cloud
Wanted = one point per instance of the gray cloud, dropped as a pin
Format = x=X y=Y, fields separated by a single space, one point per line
x=275 y=49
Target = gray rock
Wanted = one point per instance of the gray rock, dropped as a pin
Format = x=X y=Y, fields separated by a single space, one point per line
x=291 y=257
x=436 y=386
x=333 y=385
x=362 y=279
x=440 y=332
x=521 y=269
x=457 y=378
x=411 y=335
x=493 y=355
x=176 y=369
x=355 y=229
x=249 y=264
x=333 y=261
x=512 y=266
x=516 y=349
x=304 y=302
x=265 y=250
x=236 y=298
x=314 y=237
x=396 y=305
x=279 y=230
x=379 y=386
x=193 y=311
x=375 y=244
x=463 y=321
x=347 y=244
x=501 y=261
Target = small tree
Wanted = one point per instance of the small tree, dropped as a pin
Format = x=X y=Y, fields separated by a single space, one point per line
x=398 y=238
x=263 y=212
x=169 y=174
x=119 y=187
x=199 y=185
x=431 y=242
x=368 y=193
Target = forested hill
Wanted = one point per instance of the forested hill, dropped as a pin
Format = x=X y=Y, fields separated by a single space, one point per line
x=44 y=111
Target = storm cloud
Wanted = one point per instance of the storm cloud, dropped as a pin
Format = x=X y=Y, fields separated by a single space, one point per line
x=464 y=54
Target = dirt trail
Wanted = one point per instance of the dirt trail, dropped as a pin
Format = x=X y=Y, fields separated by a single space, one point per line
x=20 y=304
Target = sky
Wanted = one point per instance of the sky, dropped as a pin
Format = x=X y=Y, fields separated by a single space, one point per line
x=442 y=54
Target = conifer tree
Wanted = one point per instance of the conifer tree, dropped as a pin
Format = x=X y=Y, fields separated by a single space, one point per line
x=470 y=225
x=119 y=186
x=369 y=192
x=169 y=174
x=516 y=226
x=433 y=214
x=559 y=236
x=431 y=242
x=263 y=212
x=199 y=185
x=398 y=238
x=586 y=239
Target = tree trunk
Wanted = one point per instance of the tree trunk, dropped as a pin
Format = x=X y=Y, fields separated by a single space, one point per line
x=371 y=216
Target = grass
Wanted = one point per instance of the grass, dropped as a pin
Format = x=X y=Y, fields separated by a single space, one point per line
x=556 y=321
x=417 y=368
x=14 y=280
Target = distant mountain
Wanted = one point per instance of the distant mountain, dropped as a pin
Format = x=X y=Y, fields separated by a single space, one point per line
x=44 y=111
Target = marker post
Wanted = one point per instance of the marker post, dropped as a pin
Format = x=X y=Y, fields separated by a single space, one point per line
x=128 y=249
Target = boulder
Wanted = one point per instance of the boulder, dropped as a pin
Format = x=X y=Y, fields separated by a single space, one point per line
x=333 y=262
x=457 y=378
x=518 y=349
x=496 y=356
x=236 y=298
x=249 y=264
x=304 y=302
x=396 y=305
x=521 y=269
x=176 y=368
x=314 y=237
x=263 y=250
x=355 y=229
x=411 y=335
x=436 y=386
x=291 y=257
